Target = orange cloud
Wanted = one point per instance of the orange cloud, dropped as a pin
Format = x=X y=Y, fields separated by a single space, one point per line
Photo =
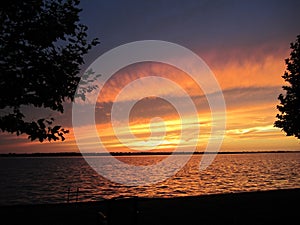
x=250 y=87
x=140 y=70
x=242 y=67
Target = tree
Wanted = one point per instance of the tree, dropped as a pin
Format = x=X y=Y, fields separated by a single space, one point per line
x=41 y=51
x=289 y=107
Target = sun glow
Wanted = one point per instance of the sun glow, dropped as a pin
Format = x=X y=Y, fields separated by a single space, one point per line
x=250 y=92
x=250 y=89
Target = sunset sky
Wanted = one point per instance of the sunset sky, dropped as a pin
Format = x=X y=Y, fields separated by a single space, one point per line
x=244 y=43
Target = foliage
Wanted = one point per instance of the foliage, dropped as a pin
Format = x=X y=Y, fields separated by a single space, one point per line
x=289 y=107
x=41 y=51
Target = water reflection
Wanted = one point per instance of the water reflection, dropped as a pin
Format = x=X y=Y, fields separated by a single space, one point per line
x=46 y=180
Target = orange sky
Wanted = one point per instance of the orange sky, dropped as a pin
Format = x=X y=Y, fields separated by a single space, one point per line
x=250 y=87
x=244 y=43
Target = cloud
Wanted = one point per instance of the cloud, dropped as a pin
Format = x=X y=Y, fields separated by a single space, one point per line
x=199 y=25
x=235 y=98
x=135 y=74
x=251 y=97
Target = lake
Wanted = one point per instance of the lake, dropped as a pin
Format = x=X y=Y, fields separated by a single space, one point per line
x=36 y=180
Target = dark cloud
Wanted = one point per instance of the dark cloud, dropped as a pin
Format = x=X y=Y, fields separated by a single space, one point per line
x=251 y=96
x=243 y=98
x=202 y=26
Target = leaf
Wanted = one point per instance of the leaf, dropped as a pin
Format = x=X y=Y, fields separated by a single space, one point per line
x=56 y=128
x=41 y=123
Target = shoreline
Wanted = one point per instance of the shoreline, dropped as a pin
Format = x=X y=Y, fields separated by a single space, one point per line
x=76 y=154
x=259 y=207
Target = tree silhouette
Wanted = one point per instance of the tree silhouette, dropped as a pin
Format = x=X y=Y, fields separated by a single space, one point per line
x=41 y=51
x=289 y=107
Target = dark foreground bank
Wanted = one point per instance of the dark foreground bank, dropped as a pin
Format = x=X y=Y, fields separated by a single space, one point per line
x=265 y=207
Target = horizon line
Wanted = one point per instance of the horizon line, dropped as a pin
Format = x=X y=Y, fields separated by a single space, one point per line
x=40 y=154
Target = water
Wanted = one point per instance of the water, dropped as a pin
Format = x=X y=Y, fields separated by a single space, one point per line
x=47 y=179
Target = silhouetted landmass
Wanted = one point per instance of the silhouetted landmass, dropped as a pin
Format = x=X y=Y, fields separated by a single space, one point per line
x=247 y=208
x=76 y=154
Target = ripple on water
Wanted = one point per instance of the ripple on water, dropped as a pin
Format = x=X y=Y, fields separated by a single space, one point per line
x=47 y=180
